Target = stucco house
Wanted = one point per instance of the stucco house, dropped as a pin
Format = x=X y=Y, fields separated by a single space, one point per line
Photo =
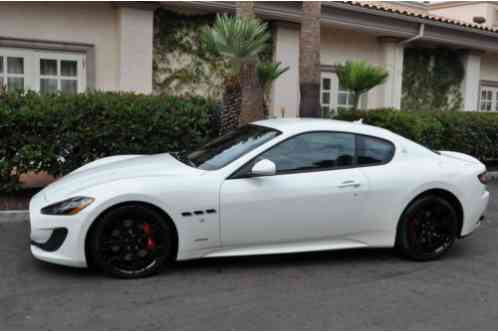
x=75 y=47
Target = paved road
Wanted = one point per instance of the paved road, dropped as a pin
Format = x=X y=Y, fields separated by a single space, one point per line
x=362 y=289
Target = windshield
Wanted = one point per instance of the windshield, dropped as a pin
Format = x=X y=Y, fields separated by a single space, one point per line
x=227 y=148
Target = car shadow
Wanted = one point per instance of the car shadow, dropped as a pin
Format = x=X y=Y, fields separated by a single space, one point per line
x=49 y=269
x=336 y=258
x=276 y=261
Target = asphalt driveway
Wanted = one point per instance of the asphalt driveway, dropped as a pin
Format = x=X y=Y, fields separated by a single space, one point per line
x=360 y=289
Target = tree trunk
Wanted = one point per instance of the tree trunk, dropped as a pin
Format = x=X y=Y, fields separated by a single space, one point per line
x=231 y=106
x=356 y=100
x=309 y=60
x=252 y=108
x=245 y=9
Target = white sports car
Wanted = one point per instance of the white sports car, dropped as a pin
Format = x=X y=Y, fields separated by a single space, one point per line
x=274 y=186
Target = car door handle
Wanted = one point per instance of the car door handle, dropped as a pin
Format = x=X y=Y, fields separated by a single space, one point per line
x=349 y=184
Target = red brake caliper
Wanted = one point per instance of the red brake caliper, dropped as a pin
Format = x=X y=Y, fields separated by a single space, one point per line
x=151 y=243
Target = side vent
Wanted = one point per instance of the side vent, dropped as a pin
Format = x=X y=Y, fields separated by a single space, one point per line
x=198 y=212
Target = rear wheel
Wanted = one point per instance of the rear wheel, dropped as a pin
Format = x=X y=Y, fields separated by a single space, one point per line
x=131 y=241
x=427 y=229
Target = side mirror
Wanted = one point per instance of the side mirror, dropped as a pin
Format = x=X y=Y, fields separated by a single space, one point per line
x=264 y=167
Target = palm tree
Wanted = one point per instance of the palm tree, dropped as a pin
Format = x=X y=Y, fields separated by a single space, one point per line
x=252 y=102
x=359 y=77
x=268 y=72
x=309 y=60
x=238 y=41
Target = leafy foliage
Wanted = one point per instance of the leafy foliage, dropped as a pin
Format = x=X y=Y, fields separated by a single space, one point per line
x=474 y=133
x=59 y=133
x=432 y=80
x=359 y=77
x=234 y=38
x=182 y=66
x=268 y=72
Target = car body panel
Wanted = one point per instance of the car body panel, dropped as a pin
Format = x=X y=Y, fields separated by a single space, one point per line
x=304 y=211
x=263 y=210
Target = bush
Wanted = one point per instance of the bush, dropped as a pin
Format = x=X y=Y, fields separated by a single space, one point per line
x=473 y=133
x=59 y=133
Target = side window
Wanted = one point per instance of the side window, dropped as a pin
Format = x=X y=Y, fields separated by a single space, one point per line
x=312 y=151
x=373 y=150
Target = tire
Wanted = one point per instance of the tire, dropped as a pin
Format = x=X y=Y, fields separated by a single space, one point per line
x=131 y=241
x=427 y=229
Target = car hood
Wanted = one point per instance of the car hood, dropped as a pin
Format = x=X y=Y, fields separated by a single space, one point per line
x=115 y=168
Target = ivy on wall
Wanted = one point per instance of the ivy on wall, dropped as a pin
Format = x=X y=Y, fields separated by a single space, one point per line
x=181 y=66
x=432 y=79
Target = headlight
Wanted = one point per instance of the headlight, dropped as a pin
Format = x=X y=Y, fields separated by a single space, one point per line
x=69 y=206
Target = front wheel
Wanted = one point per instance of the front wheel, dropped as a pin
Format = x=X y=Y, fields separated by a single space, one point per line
x=427 y=229
x=131 y=241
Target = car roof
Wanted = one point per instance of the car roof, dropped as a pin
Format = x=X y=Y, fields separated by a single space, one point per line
x=298 y=125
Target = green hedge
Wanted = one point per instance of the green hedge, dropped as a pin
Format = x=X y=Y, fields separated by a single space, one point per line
x=59 y=133
x=474 y=133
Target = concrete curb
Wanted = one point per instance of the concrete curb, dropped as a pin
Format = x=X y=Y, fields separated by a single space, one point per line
x=13 y=216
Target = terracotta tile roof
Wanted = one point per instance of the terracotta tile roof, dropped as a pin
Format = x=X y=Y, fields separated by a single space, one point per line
x=378 y=5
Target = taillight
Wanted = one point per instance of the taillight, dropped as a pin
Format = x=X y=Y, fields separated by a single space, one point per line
x=483 y=177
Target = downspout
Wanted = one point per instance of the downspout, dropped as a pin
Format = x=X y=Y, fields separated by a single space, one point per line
x=418 y=36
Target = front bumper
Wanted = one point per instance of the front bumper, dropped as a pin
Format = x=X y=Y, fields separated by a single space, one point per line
x=57 y=239
x=54 y=242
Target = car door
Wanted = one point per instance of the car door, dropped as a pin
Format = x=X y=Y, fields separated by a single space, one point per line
x=316 y=194
x=388 y=185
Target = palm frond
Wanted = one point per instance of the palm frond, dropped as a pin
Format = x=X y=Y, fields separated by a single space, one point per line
x=359 y=76
x=235 y=37
x=269 y=72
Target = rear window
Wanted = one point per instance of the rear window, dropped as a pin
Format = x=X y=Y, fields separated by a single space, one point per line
x=372 y=150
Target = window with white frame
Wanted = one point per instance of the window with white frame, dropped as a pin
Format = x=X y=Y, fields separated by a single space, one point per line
x=344 y=97
x=12 y=72
x=325 y=96
x=333 y=96
x=44 y=72
x=488 y=99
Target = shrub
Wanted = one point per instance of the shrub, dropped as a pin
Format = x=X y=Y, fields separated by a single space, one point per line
x=59 y=133
x=473 y=133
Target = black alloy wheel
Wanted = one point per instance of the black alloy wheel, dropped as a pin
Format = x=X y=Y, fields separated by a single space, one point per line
x=427 y=229
x=131 y=241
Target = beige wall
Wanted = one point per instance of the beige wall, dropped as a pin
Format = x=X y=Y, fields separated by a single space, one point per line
x=470 y=83
x=285 y=92
x=109 y=29
x=467 y=12
x=135 y=49
x=489 y=67
x=338 y=46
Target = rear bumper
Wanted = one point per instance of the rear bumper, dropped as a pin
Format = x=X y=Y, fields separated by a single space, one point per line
x=479 y=222
x=475 y=214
